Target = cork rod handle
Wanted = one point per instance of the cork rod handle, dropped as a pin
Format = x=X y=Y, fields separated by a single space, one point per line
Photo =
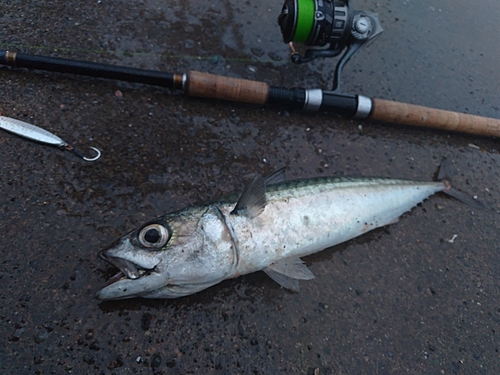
x=409 y=114
x=208 y=85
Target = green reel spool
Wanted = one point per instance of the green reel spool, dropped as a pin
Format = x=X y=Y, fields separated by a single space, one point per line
x=305 y=20
x=314 y=22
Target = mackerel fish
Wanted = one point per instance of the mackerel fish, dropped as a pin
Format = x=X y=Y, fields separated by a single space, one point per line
x=269 y=227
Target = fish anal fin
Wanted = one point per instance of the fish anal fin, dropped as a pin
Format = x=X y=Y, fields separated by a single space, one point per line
x=287 y=272
x=283 y=280
x=292 y=267
x=253 y=199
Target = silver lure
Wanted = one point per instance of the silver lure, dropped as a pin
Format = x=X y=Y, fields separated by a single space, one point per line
x=268 y=228
x=38 y=134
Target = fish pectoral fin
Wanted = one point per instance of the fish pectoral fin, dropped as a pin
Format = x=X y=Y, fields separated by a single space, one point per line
x=253 y=199
x=287 y=272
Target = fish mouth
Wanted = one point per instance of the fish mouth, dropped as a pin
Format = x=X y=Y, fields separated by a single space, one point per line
x=127 y=269
x=133 y=280
x=138 y=272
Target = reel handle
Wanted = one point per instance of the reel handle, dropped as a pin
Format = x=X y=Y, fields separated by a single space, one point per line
x=409 y=114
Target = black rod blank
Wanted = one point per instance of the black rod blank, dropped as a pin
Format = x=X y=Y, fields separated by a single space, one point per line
x=53 y=64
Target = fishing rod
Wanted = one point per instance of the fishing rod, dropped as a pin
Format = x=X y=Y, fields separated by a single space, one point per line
x=331 y=28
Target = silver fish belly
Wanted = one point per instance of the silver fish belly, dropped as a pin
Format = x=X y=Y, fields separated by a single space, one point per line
x=303 y=218
x=268 y=228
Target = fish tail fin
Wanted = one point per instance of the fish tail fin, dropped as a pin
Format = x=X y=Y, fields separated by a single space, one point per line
x=444 y=176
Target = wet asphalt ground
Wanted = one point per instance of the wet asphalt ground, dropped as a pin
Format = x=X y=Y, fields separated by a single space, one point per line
x=402 y=299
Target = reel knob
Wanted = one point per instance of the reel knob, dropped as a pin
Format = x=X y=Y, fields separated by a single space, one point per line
x=362 y=27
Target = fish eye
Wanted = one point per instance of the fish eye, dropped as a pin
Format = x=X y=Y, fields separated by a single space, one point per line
x=154 y=235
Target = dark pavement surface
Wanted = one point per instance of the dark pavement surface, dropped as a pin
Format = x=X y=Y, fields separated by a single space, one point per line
x=402 y=299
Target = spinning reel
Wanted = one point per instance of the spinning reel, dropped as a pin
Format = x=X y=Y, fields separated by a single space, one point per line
x=321 y=23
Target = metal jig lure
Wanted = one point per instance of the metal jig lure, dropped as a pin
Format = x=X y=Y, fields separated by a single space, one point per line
x=38 y=134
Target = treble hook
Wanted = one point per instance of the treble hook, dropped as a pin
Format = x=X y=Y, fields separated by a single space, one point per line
x=38 y=134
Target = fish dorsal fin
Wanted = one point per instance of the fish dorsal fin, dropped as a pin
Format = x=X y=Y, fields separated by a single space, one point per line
x=253 y=199
x=276 y=177
x=287 y=272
